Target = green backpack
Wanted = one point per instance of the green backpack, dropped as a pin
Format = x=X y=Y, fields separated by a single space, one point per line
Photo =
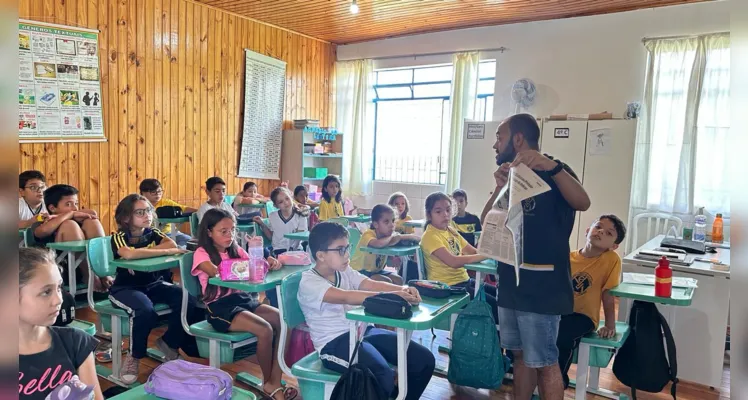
x=475 y=359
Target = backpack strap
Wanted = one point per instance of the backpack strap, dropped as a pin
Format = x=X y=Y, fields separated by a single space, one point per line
x=634 y=315
x=671 y=356
x=355 y=352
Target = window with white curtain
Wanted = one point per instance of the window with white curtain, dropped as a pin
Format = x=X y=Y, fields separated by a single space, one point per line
x=412 y=122
x=682 y=145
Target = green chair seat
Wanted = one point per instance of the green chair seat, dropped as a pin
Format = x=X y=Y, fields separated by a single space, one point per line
x=602 y=350
x=204 y=329
x=106 y=307
x=85 y=326
x=310 y=367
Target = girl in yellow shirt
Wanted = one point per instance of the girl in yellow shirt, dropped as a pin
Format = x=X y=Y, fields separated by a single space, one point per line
x=400 y=203
x=331 y=205
x=381 y=234
x=446 y=252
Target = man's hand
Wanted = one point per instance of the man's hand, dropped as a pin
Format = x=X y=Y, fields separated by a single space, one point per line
x=501 y=175
x=534 y=160
x=606 y=332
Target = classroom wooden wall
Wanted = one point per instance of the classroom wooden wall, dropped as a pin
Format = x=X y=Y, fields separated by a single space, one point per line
x=172 y=76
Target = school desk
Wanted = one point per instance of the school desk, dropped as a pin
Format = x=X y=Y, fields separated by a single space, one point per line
x=415 y=223
x=399 y=251
x=162 y=222
x=425 y=316
x=152 y=264
x=702 y=326
x=681 y=297
x=487 y=267
x=303 y=236
x=69 y=250
x=139 y=393
x=272 y=281
x=358 y=218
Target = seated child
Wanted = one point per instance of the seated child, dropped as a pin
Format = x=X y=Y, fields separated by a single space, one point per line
x=31 y=186
x=248 y=196
x=287 y=219
x=301 y=196
x=215 y=187
x=445 y=252
x=331 y=205
x=231 y=310
x=381 y=234
x=136 y=291
x=154 y=192
x=400 y=203
x=48 y=356
x=69 y=223
x=595 y=269
x=467 y=224
x=328 y=290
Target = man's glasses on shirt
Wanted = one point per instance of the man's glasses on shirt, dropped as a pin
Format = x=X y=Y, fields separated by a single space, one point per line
x=341 y=250
x=35 y=188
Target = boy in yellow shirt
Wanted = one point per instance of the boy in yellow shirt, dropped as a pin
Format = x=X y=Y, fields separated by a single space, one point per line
x=152 y=190
x=595 y=269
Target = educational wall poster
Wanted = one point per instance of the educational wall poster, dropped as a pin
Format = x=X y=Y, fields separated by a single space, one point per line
x=264 y=94
x=59 y=91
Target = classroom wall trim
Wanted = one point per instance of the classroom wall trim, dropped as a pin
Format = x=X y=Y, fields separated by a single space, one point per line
x=172 y=77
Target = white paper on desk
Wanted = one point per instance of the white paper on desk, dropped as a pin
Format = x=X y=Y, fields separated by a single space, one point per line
x=502 y=231
x=649 y=279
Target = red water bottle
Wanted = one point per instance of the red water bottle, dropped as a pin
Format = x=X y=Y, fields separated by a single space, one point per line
x=663 y=278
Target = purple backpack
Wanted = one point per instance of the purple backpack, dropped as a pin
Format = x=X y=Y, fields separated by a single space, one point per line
x=183 y=380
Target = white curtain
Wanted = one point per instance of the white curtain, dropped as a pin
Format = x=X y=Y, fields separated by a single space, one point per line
x=355 y=120
x=681 y=154
x=462 y=105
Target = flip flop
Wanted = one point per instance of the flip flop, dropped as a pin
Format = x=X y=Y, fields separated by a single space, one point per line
x=290 y=392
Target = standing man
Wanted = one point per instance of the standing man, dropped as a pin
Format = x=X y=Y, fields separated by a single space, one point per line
x=529 y=313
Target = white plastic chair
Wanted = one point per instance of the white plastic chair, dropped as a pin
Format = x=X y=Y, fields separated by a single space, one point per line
x=662 y=222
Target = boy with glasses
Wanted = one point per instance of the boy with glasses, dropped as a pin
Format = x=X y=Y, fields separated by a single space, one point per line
x=31 y=187
x=152 y=190
x=330 y=289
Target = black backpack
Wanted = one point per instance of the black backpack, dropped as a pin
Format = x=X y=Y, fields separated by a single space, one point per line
x=67 y=310
x=641 y=363
x=388 y=305
x=357 y=383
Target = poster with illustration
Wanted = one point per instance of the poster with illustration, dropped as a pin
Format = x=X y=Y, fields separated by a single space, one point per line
x=59 y=88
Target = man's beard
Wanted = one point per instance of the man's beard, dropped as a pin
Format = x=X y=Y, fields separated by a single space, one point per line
x=507 y=155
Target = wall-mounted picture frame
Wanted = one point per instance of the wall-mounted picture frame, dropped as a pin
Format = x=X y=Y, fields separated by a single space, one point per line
x=562 y=133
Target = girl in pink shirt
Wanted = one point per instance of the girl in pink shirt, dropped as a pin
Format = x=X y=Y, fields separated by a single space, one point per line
x=232 y=310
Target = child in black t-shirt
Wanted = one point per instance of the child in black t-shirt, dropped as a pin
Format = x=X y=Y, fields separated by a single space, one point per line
x=467 y=224
x=136 y=292
x=48 y=355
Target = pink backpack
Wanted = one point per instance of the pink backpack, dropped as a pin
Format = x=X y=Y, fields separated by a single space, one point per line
x=295 y=258
x=300 y=345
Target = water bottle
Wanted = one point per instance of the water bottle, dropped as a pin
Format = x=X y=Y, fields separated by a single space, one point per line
x=699 y=226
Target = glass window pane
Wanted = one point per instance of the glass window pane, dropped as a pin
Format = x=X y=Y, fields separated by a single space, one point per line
x=397 y=92
x=433 y=74
x=389 y=77
x=487 y=69
x=489 y=108
x=435 y=90
x=486 y=87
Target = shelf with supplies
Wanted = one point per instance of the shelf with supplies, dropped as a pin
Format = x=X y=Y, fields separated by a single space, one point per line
x=309 y=155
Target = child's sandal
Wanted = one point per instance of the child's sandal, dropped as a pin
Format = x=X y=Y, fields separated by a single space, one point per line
x=290 y=392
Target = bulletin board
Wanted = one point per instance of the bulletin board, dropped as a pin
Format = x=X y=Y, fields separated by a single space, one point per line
x=264 y=95
x=59 y=88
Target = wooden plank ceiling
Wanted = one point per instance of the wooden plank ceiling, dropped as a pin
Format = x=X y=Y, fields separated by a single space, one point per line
x=332 y=20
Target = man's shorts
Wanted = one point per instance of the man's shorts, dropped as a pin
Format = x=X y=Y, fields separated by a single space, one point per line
x=533 y=334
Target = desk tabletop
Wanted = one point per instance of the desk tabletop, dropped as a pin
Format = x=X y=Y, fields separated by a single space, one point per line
x=149 y=264
x=272 y=279
x=680 y=296
x=425 y=315
x=297 y=235
x=357 y=218
x=177 y=220
x=416 y=223
x=484 y=267
x=697 y=267
x=397 y=251
x=75 y=245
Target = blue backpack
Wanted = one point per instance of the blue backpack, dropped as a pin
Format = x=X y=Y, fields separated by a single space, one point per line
x=475 y=359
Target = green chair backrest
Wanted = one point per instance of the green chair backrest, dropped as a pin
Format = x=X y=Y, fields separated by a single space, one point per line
x=229 y=199
x=28 y=236
x=194 y=224
x=292 y=314
x=99 y=253
x=422 y=261
x=269 y=208
x=189 y=282
x=341 y=221
x=354 y=236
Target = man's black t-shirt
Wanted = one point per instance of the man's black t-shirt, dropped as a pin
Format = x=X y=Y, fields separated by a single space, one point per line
x=467 y=226
x=39 y=374
x=545 y=273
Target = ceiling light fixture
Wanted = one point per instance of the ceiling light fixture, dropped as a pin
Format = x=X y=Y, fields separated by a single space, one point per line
x=354 y=7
